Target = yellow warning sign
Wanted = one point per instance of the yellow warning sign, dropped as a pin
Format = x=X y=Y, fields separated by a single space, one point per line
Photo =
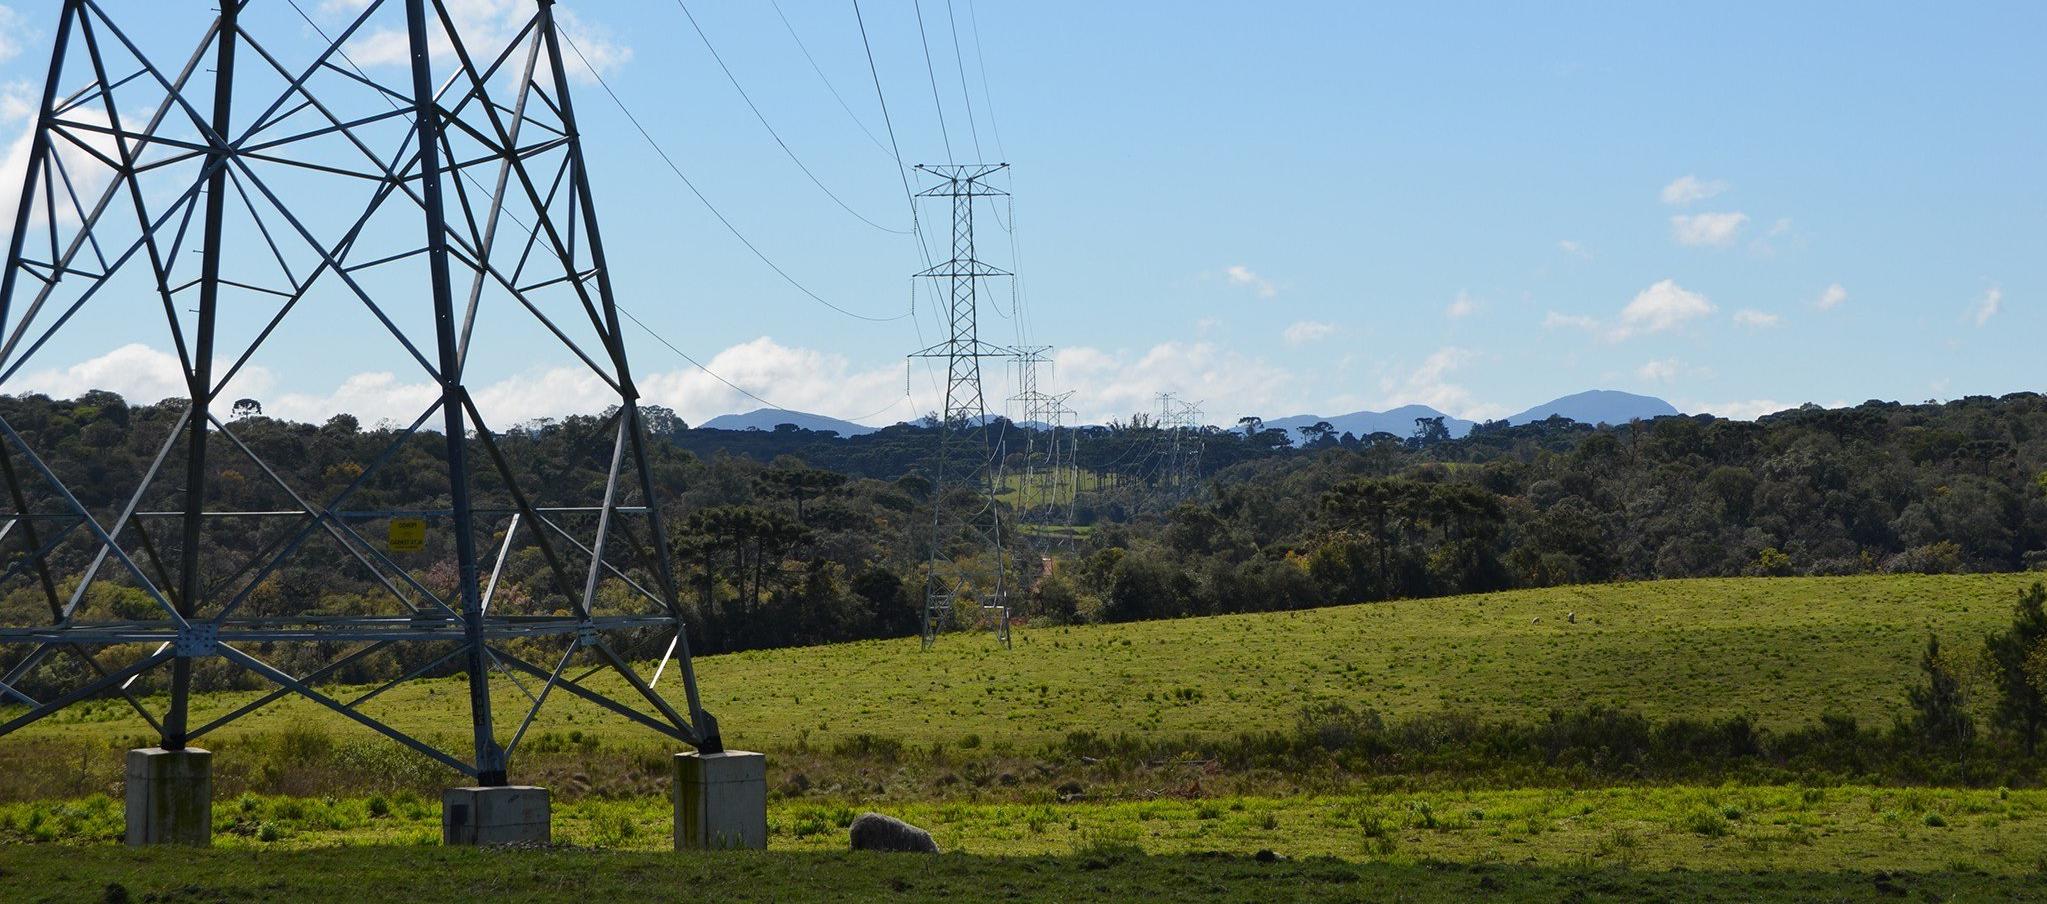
x=406 y=535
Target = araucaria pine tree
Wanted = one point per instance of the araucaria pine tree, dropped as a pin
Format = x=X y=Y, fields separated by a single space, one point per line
x=2018 y=661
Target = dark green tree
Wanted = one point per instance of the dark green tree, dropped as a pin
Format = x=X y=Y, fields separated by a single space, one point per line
x=2017 y=660
x=1940 y=707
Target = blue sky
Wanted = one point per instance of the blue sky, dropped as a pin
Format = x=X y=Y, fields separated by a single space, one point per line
x=1273 y=208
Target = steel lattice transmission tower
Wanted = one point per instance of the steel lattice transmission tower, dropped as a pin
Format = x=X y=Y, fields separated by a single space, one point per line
x=1182 y=422
x=1037 y=410
x=967 y=459
x=267 y=205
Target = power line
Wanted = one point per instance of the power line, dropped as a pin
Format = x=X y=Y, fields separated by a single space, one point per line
x=981 y=63
x=771 y=129
x=728 y=383
x=960 y=62
x=814 y=67
x=933 y=73
x=902 y=171
x=894 y=148
x=692 y=186
x=686 y=357
x=621 y=308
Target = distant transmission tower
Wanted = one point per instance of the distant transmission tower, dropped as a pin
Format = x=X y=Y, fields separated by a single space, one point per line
x=1069 y=474
x=1181 y=422
x=1034 y=488
x=967 y=461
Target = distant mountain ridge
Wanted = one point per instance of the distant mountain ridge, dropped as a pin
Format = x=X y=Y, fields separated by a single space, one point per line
x=1397 y=421
x=1598 y=406
x=770 y=418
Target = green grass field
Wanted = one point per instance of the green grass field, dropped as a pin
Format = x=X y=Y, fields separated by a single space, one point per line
x=1609 y=844
x=1041 y=489
x=1781 y=650
x=1655 y=828
x=356 y=875
x=1784 y=650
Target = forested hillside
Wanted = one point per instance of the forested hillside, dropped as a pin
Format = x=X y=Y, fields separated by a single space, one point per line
x=791 y=537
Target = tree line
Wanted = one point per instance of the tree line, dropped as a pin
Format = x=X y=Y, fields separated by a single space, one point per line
x=795 y=537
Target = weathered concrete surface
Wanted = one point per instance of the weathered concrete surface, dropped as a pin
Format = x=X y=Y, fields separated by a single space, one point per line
x=512 y=814
x=170 y=796
x=721 y=800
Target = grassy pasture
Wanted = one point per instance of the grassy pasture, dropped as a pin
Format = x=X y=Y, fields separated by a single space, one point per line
x=1784 y=650
x=1781 y=650
x=1609 y=844
x=375 y=874
x=1659 y=827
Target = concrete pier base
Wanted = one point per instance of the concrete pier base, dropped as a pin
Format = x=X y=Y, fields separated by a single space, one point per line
x=170 y=796
x=513 y=814
x=721 y=800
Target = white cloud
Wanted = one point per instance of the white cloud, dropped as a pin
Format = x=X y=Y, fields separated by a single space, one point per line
x=1462 y=306
x=136 y=372
x=1986 y=307
x=88 y=175
x=1706 y=229
x=1740 y=410
x=1431 y=385
x=1556 y=321
x=1754 y=319
x=14 y=32
x=1665 y=305
x=1574 y=249
x=795 y=378
x=1305 y=331
x=1227 y=384
x=802 y=379
x=1766 y=244
x=1240 y=275
x=1686 y=189
x=1660 y=307
x=1831 y=297
x=1660 y=371
x=487 y=26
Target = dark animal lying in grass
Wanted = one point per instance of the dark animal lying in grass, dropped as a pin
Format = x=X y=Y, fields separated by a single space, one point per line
x=875 y=832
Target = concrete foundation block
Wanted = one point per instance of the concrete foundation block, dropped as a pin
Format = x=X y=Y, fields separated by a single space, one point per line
x=721 y=800
x=170 y=796
x=512 y=814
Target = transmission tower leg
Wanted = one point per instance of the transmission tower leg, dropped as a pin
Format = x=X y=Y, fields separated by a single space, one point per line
x=169 y=788
x=490 y=758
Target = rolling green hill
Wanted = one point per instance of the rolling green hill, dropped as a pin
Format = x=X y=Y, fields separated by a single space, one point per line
x=1784 y=650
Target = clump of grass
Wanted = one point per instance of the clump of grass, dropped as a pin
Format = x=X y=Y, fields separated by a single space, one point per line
x=1703 y=821
x=1108 y=845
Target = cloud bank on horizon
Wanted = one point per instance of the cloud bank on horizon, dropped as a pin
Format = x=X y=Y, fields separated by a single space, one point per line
x=1229 y=384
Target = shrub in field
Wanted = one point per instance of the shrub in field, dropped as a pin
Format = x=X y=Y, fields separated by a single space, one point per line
x=1338 y=726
